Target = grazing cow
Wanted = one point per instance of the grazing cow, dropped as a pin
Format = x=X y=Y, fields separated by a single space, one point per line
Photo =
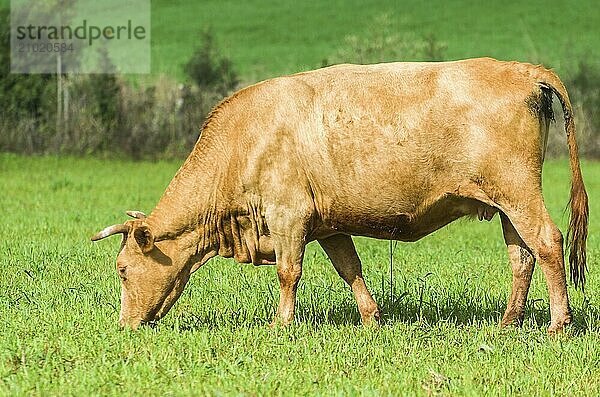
x=391 y=151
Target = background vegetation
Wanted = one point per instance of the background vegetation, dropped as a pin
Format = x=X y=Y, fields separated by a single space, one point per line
x=269 y=38
x=204 y=50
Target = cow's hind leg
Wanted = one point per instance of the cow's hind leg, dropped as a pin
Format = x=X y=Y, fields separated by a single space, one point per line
x=533 y=224
x=342 y=253
x=522 y=263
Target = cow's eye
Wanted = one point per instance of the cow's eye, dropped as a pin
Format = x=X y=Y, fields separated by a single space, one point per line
x=122 y=272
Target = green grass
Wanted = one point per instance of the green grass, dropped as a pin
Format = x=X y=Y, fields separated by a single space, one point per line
x=268 y=38
x=59 y=298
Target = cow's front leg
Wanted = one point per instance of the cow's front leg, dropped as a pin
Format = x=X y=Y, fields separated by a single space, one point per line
x=289 y=253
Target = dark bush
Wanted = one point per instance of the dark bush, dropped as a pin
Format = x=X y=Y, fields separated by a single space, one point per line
x=208 y=69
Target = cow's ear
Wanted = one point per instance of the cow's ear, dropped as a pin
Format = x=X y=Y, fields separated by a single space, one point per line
x=144 y=238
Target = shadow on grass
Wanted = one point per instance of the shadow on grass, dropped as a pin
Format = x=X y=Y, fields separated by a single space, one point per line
x=466 y=310
x=427 y=308
x=424 y=301
x=458 y=311
x=586 y=318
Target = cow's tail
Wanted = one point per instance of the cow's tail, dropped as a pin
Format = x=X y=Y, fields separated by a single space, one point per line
x=578 y=202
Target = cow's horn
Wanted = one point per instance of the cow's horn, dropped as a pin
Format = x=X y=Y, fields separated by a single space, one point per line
x=109 y=231
x=136 y=214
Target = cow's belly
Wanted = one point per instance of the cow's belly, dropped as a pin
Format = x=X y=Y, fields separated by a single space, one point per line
x=400 y=226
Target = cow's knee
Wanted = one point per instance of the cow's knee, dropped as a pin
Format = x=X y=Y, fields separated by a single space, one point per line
x=550 y=249
x=289 y=275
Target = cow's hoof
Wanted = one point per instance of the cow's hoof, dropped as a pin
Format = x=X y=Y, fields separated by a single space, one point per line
x=512 y=318
x=372 y=319
x=278 y=323
x=554 y=330
x=558 y=327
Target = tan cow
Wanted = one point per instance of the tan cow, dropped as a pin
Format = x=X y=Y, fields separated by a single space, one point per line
x=391 y=151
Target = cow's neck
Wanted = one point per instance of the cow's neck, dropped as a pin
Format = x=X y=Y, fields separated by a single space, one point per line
x=191 y=196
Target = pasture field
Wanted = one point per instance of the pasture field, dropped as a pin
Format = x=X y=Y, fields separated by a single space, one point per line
x=266 y=38
x=59 y=301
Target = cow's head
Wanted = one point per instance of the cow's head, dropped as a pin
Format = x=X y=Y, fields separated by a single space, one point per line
x=153 y=273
